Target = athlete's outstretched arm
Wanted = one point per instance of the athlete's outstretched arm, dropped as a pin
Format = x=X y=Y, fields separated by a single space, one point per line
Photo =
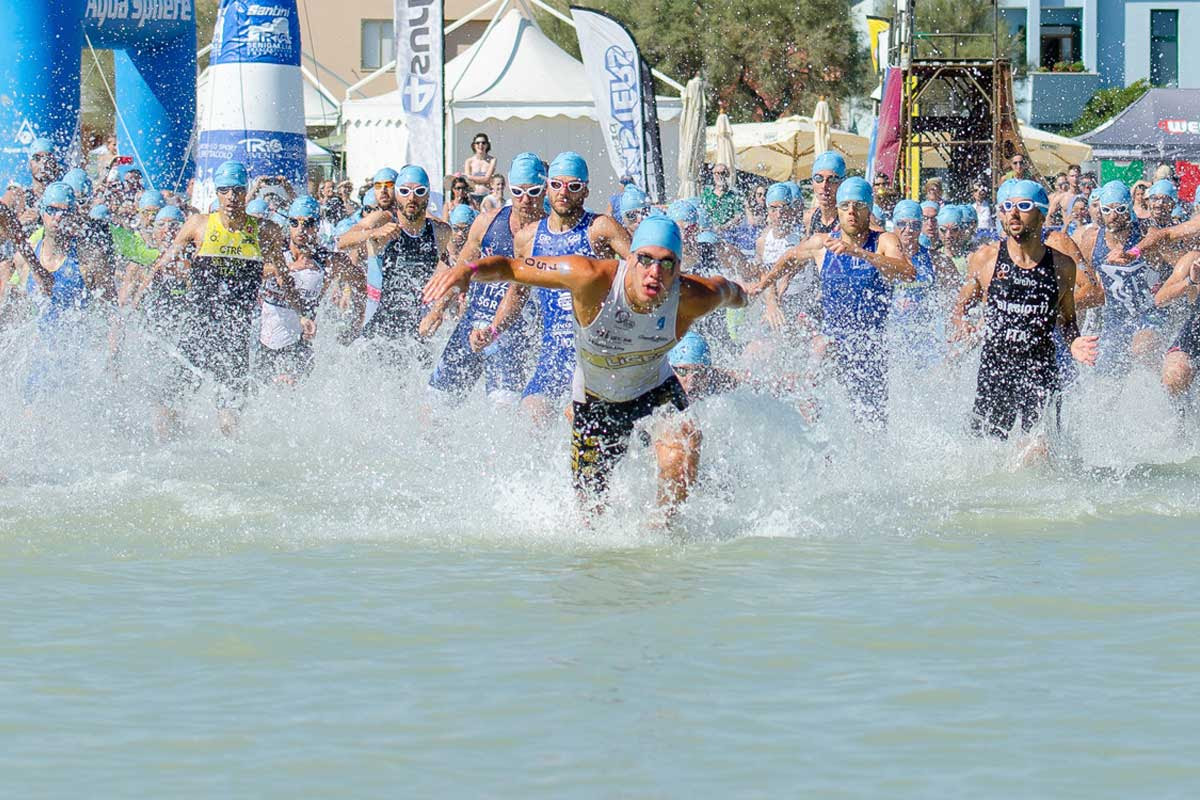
x=1083 y=348
x=1182 y=281
x=572 y=273
x=698 y=296
x=792 y=261
x=609 y=238
x=10 y=229
x=377 y=226
x=889 y=258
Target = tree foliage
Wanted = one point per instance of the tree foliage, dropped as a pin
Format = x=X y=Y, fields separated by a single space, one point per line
x=1106 y=104
x=762 y=59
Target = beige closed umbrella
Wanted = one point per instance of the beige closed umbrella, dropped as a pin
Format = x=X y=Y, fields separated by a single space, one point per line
x=783 y=150
x=822 y=122
x=726 y=155
x=691 y=138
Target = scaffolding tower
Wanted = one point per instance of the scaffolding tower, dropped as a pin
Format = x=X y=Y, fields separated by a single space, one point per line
x=956 y=113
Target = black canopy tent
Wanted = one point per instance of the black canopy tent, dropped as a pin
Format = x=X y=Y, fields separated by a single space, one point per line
x=1162 y=125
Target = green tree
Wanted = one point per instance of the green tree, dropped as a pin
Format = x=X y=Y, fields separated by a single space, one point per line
x=762 y=58
x=1106 y=104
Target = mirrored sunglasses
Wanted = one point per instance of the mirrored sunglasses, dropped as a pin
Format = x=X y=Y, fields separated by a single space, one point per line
x=570 y=186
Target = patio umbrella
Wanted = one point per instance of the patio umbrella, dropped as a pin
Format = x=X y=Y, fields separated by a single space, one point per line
x=725 y=153
x=783 y=150
x=822 y=121
x=691 y=138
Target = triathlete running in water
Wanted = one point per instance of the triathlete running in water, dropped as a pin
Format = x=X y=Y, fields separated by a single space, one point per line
x=226 y=275
x=628 y=315
x=1027 y=291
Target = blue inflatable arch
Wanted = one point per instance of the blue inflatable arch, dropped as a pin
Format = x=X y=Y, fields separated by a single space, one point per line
x=154 y=51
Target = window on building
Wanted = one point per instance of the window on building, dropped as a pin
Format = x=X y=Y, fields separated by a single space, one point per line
x=1061 y=32
x=1164 y=48
x=377 y=47
x=1012 y=27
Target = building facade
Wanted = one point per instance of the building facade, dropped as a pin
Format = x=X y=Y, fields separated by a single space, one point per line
x=1117 y=42
x=347 y=40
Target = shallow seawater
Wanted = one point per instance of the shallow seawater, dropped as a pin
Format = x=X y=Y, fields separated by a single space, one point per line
x=369 y=593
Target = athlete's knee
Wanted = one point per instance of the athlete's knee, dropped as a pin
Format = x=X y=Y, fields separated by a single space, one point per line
x=1145 y=345
x=1178 y=372
x=678 y=452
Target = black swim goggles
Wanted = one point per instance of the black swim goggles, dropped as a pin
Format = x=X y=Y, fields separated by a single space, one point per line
x=665 y=264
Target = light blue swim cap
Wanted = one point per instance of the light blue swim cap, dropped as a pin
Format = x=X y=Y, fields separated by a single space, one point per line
x=58 y=192
x=463 y=214
x=658 y=232
x=411 y=173
x=906 y=210
x=257 y=208
x=385 y=175
x=684 y=212
x=568 y=165
x=304 y=207
x=855 y=190
x=1005 y=190
x=100 y=212
x=214 y=206
x=1179 y=212
x=41 y=144
x=151 y=198
x=78 y=180
x=691 y=349
x=632 y=199
x=970 y=215
x=797 y=192
x=1032 y=190
x=231 y=173
x=779 y=193
x=1115 y=192
x=926 y=204
x=1163 y=188
x=169 y=214
x=877 y=212
x=369 y=198
x=949 y=215
x=830 y=160
x=706 y=237
x=526 y=170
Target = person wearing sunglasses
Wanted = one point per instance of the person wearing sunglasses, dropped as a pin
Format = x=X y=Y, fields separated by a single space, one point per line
x=1027 y=292
x=383 y=198
x=1131 y=323
x=485 y=343
x=828 y=172
x=409 y=251
x=285 y=353
x=479 y=168
x=568 y=229
x=459 y=193
x=232 y=253
x=632 y=207
x=628 y=315
x=952 y=233
x=724 y=205
x=859 y=268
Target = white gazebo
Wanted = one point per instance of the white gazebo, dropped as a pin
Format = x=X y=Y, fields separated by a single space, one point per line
x=519 y=88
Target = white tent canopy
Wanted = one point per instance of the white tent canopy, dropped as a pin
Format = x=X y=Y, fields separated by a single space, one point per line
x=519 y=88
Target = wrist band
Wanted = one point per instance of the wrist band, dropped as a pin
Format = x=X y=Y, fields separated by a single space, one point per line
x=1136 y=252
x=473 y=266
x=495 y=332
